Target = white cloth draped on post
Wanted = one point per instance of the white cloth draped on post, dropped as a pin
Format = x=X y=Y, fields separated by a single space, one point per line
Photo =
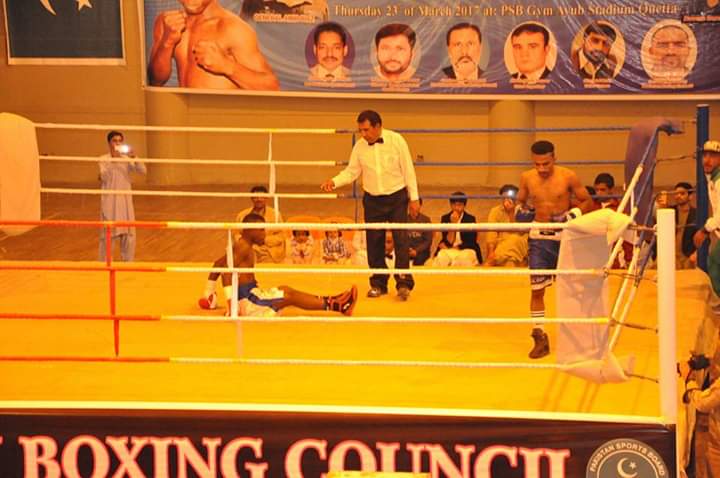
x=583 y=348
x=19 y=173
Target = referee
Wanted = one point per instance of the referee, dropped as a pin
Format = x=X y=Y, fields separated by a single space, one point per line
x=383 y=160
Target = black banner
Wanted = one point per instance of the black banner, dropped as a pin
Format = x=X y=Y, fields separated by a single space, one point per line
x=73 y=443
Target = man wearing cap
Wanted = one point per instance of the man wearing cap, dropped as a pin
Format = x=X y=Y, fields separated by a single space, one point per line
x=711 y=230
x=505 y=248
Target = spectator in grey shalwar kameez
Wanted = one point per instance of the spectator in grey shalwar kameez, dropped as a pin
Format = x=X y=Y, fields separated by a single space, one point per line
x=118 y=207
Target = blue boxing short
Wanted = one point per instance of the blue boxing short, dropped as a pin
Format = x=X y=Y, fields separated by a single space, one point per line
x=262 y=297
x=543 y=254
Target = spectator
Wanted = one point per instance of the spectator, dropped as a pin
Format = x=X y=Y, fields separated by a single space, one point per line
x=710 y=230
x=420 y=241
x=274 y=248
x=705 y=400
x=506 y=248
x=359 y=244
x=575 y=202
x=115 y=175
x=458 y=248
x=686 y=227
x=334 y=249
x=302 y=247
x=605 y=187
x=389 y=250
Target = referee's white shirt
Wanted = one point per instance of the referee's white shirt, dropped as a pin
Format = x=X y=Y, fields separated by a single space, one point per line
x=385 y=167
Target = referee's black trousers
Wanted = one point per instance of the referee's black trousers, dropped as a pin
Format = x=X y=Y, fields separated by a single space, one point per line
x=387 y=208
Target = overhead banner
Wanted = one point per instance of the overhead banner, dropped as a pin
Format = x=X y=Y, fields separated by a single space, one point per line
x=165 y=444
x=64 y=32
x=436 y=47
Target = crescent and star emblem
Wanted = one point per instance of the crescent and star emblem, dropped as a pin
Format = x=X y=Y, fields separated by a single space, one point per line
x=80 y=3
x=621 y=470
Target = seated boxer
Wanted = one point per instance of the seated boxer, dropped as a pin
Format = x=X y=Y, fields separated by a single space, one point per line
x=254 y=301
x=549 y=189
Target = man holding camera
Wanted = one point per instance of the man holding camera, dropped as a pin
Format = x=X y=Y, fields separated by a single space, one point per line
x=115 y=175
x=702 y=395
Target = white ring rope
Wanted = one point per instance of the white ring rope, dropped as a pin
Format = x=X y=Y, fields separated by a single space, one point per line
x=388 y=320
x=326 y=226
x=332 y=226
x=134 y=192
x=496 y=271
x=186 y=129
x=225 y=162
x=368 y=363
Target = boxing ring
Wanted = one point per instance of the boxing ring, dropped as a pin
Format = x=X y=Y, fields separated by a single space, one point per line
x=100 y=372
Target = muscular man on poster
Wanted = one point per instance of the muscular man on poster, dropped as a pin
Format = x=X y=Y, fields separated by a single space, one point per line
x=212 y=47
x=544 y=196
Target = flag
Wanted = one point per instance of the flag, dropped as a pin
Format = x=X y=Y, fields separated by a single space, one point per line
x=64 y=32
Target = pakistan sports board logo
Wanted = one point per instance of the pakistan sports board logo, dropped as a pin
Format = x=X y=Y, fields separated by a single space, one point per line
x=626 y=458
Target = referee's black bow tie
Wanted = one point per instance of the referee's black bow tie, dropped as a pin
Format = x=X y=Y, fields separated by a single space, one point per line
x=379 y=140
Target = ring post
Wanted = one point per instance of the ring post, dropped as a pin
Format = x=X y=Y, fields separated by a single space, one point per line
x=230 y=262
x=354 y=184
x=701 y=192
x=666 y=314
x=113 y=304
x=273 y=179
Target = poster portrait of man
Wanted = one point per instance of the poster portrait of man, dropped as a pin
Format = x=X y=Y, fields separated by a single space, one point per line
x=530 y=52
x=669 y=51
x=396 y=52
x=464 y=46
x=598 y=51
x=330 y=52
